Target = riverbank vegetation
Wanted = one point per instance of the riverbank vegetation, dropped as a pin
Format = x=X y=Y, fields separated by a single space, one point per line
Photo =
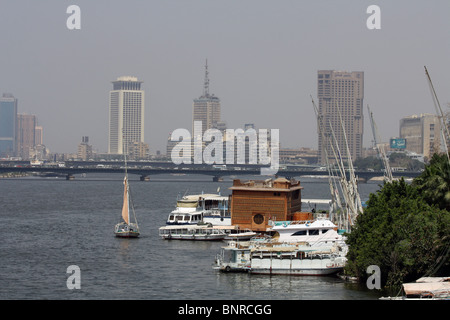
x=396 y=160
x=405 y=229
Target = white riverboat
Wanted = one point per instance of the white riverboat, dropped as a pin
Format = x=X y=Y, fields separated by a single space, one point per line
x=319 y=232
x=279 y=259
x=196 y=232
x=203 y=208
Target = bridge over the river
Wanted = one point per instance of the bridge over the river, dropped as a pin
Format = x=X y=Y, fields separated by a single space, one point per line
x=144 y=171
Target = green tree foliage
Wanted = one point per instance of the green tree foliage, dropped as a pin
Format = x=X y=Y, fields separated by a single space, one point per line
x=395 y=160
x=401 y=233
x=434 y=182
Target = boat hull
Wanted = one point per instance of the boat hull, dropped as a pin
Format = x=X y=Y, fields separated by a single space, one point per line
x=297 y=272
x=123 y=230
x=194 y=237
x=128 y=234
x=241 y=236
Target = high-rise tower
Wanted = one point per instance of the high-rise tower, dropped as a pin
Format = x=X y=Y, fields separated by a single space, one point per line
x=341 y=96
x=8 y=122
x=207 y=107
x=126 y=114
x=25 y=134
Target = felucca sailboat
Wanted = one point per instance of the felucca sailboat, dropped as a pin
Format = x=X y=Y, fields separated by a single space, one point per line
x=126 y=228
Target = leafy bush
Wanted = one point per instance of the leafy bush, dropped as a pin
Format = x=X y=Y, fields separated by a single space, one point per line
x=400 y=232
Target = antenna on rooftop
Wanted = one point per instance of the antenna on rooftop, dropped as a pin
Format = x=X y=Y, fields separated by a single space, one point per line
x=206 y=84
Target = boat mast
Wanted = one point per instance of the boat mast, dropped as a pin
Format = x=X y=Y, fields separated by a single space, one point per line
x=380 y=148
x=440 y=113
x=332 y=183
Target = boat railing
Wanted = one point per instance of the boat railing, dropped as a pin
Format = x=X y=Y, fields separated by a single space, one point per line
x=274 y=223
x=218 y=212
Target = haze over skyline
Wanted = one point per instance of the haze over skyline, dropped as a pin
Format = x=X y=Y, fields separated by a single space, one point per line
x=263 y=57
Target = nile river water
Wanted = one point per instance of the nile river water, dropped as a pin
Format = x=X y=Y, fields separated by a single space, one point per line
x=49 y=224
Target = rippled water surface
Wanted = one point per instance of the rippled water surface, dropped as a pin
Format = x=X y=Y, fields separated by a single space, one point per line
x=49 y=224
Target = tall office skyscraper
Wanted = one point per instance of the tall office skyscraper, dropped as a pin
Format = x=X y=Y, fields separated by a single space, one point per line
x=341 y=96
x=8 y=121
x=126 y=114
x=207 y=107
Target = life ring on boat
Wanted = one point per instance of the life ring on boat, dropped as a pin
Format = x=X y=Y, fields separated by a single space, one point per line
x=227 y=269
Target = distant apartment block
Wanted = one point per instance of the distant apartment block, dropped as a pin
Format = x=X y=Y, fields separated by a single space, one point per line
x=298 y=156
x=138 y=151
x=422 y=134
x=39 y=135
x=126 y=114
x=25 y=135
x=340 y=96
x=84 y=149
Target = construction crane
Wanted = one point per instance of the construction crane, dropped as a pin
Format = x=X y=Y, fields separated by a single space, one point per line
x=380 y=149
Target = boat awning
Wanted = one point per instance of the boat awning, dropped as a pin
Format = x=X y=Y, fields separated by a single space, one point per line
x=318 y=201
x=427 y=285
x=214 y=197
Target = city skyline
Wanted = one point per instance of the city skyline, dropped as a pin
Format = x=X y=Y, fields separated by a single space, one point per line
x=264 y=57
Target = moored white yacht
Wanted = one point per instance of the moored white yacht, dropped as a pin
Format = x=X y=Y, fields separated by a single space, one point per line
x=320 y=232
x=201 y=208
x=188 y=211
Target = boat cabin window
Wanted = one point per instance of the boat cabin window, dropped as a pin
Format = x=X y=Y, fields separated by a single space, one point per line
x=171 y=217
x=313 y=232
x=300 y=233
x=186 y=218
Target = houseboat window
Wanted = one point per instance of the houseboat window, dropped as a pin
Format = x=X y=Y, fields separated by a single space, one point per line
x=258 y=219
x=171 y=217
x=300 y=233
x=186 y=218
x=313 y=232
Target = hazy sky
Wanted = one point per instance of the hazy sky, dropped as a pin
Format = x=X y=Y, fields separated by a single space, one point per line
x=263 y=59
